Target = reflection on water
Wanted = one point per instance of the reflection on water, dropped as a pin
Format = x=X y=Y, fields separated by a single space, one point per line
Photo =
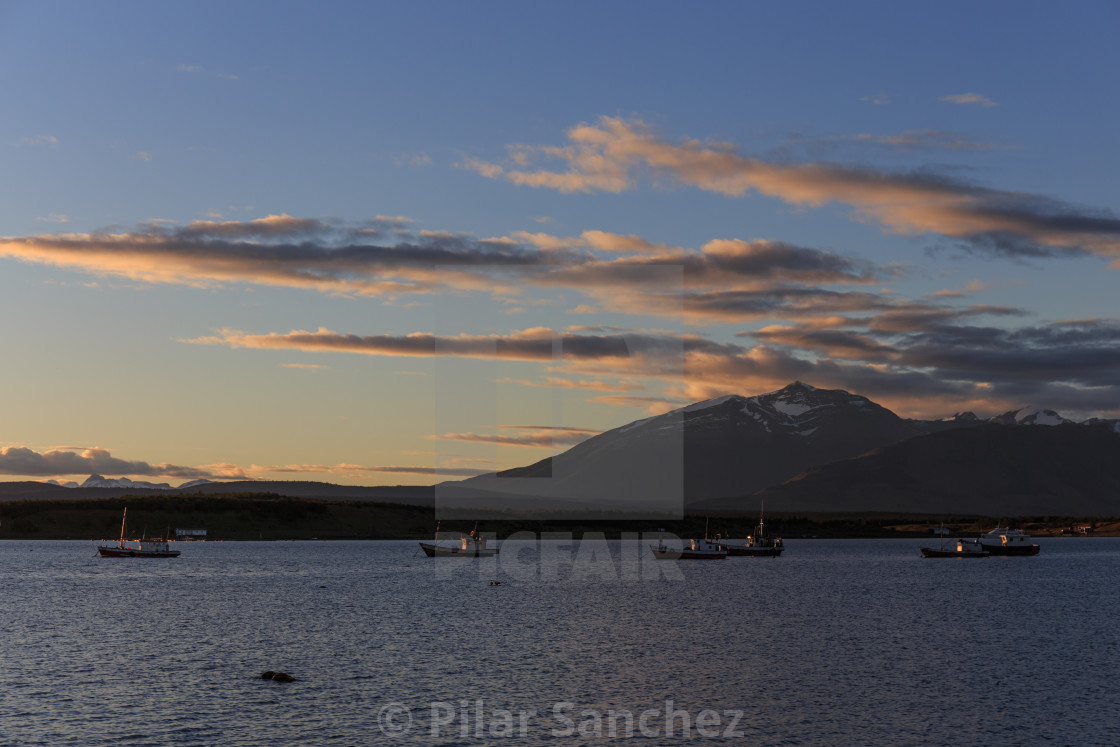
x=835 y=642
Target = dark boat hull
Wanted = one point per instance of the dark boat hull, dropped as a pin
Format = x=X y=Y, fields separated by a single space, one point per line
x=686 y=555
x=115 y=552
x=438 y=551
x=754 y=552
x=933 y=552
x=1011 y=551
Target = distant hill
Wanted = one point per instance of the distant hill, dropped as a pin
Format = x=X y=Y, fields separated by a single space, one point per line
x=994 y=470
x=416 y=495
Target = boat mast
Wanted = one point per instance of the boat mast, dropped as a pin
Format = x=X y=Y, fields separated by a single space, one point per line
x=123 y=517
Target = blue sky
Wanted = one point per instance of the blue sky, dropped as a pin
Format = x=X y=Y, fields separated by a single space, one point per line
x=917 y=203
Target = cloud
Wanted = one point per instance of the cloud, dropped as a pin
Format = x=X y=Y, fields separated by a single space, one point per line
x=919 y=358
x=541 y=437
x=908 y=141
x=416 y=160
x=930 y=140
x=143 y=155
x=613 y=242
x=357 y=469
x=50 y=140
x=19 y=460
x=917 y=140
x=1081 y=352
x=969 y=98
x=834 y=343
x=534 y=344
x=784 y=301
x=876 y=99
x=614 y=154
x=564 y=428
x=973 y=287
x=306 y=366
x=193 y=68
x=53 y=218
x=270 y=227
x=387 y=257
x=283 y=250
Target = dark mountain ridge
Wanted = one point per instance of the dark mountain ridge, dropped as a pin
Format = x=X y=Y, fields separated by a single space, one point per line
x=992 y=469
x=729 y=446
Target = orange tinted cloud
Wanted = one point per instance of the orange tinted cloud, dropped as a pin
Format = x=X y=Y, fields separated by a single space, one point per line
x=20 y=460
x=613 y=154
x=545 y=438
x=534 y=344
x=969 y=98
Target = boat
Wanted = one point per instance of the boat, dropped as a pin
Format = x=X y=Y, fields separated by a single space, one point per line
x=964 y=549
x=469 y=546
x=141 y=548
x=758 y=545
x=1005 y=541
x=703 y=549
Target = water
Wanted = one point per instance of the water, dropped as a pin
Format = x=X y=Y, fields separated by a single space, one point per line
x=846 y=641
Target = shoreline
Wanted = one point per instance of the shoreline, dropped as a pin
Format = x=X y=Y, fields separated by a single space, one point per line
x=277 y=518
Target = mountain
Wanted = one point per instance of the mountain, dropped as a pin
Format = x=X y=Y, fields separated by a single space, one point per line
x=808 y=449
x=1029 y=416
x=1112 y=425
x=196 y=483
x=728 y=446
x=992 y=469
x=97 y=481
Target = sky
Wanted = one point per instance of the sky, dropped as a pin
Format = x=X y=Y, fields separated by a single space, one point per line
x=399 y=243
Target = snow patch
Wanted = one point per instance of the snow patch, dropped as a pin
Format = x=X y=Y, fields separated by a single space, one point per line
x=792 y=409
x=1038 y=416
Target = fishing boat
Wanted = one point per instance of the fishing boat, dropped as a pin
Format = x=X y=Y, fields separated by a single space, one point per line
x=696 y=549
x=141 y=548
x=1005 y=541
x=964 y=549
x=758 y=545
x=469 y=546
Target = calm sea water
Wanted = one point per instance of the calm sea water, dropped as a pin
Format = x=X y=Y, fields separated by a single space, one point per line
x=838 y=642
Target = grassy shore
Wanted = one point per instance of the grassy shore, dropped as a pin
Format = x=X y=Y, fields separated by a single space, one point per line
x=274 y=517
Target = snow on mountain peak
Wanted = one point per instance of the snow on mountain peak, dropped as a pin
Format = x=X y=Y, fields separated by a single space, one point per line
x=1038 y=416
x=97 y=481
x=1029 y=416
x=791 y=409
